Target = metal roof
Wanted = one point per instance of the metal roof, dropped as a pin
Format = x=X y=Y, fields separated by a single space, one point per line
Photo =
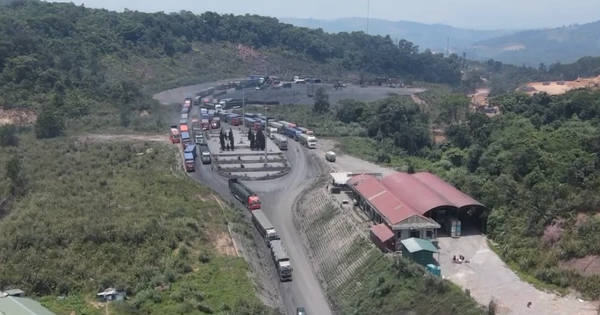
x=340 y=178
x=414 y=245
x=11 y=305
x=410 y=190
x=449 y=192
x=382 y=232
x=386 y=203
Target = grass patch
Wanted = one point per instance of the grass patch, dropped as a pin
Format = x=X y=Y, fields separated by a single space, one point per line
x=117 y=214
x=383 y=286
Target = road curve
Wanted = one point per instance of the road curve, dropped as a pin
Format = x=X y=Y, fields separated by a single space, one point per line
x=278 y=198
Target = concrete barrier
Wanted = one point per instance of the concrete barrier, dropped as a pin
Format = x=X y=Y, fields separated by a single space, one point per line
x=252 y=178
x=251 y=169
x=235 y=161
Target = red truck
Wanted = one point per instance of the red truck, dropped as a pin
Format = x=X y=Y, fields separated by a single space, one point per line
x=205 y=124
x=235 y=121
x=216 y=123
x=175 y=137
x=244 y=194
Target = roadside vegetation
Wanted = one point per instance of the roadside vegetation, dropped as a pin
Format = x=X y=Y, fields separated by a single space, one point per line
x=535 y=167
x=91 y=215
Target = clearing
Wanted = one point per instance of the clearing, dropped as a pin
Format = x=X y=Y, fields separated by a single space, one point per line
x=553 y=88
x=17 y=117
x=487 y=276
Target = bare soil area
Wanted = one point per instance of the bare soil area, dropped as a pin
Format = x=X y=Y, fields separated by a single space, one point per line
x=130 y=137
x=588 y=265
x=553 y=88
x=18 y=117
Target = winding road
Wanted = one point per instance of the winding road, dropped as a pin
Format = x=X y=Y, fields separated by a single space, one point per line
x=278 y=198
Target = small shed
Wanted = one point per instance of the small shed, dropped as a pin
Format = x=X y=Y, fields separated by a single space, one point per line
x=110 y=295
x=340 y=179
x=419 y=250
x=14 y=292
x=383 y=237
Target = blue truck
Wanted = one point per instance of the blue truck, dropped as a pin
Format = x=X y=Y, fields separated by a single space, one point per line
x=190 y=162
x=191 y=148
x=291 y=132
x=185 y=138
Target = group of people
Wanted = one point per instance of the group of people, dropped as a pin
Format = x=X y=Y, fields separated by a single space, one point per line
x=460 y=259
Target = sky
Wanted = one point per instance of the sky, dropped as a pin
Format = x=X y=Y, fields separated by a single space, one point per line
x=471 y=14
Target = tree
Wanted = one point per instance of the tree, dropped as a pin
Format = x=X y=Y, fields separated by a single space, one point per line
x=260 y=140
x=15 y=176
x=454 y=108
x=8 y=136
x=231 y=140
x=321 y=101
x=222 y=140
x=48 y=124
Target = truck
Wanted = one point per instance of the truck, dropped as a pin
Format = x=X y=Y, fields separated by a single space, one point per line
x=282 y=261
x=264 y=226
x=271 y=132
x=205 y=124
x=215 y=123
x=190 y=163
x=291 y=132
x=191 y=148
x=306 y=131
x=308 y=141
x=205 y=157
x=175 y=138
x=185 y=138
x=246 y=196
x=281 y=142
x=330 y=156
x=184 y=113
x=274 y=124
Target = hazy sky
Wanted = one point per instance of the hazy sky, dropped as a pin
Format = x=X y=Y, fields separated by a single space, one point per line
x=476 y=14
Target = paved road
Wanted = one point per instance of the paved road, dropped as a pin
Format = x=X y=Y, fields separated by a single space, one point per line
x=278 y=198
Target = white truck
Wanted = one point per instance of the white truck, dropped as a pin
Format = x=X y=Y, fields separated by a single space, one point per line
x=271 y=132
x=308 y=141
x=264 y=226
x=281 y=142
x=278 y=126
x=282 y=261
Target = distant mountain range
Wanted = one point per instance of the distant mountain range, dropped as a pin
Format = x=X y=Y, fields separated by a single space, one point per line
x=529 y=47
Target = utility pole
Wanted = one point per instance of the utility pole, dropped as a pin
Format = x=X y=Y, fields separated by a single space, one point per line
x=368 y=8
x=265 y=133
x=243 y=113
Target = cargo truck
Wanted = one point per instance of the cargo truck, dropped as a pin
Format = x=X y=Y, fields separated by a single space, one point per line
x=271 y=132
x=190 y=163
x=282 y=261
x=244 y=194
x=205 y=156
x=264 y=226
x=205 y=124
x=185 y=138
x=307 y=141
x=175 y=138
x=281 y=142
x=191 y=148
x=215 y=123
x=278 y=126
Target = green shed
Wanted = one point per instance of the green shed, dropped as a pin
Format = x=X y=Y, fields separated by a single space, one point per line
x=419 y=250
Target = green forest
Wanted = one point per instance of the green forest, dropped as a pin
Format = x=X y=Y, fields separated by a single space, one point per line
x=536 y=165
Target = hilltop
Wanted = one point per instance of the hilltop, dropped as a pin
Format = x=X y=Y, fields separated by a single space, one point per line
x=562 y=44
x=432 y=36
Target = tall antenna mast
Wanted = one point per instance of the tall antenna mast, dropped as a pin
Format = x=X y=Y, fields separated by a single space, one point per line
x=448 y=47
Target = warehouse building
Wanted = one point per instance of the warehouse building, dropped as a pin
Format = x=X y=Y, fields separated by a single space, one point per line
x=410 y=206
x=14 y=302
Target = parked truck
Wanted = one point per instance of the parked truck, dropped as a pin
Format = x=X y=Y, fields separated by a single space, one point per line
x=244 y=194
x=215 y=123
x=307 y=140
x=330 y=156
x=185 y=138
x=282 y=261
x=264 y=226
x=175 y=138
x=189 y=161
x=206 y=158
x=281 y=142
x=191 y=148
x=205 y=124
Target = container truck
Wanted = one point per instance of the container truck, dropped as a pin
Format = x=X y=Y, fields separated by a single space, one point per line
x=235 y=121
x=244 y=194
x=205 y=124
x=276 y=125
x=185 y=138
x=264 y=226
x=282 y=261
x=307 y=140
x=191 y=148
x=281 y=142
x=249 y=122
x=175 y=138
x=271 y=132
x=306 y=131
x=190 y=164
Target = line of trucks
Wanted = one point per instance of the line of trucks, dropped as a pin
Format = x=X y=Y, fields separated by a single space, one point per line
x=266 y=229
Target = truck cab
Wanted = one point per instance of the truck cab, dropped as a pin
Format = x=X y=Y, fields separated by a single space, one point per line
x=206 y=159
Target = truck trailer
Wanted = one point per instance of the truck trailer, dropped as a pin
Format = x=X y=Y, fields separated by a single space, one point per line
x=185 y=138
x=308 y=141
x=264 y=226
x=190 y=163
x=244 y=194
x=282 y=261
x=191 y=148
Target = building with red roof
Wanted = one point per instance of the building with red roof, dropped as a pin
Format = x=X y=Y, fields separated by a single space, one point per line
x=403 y=204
